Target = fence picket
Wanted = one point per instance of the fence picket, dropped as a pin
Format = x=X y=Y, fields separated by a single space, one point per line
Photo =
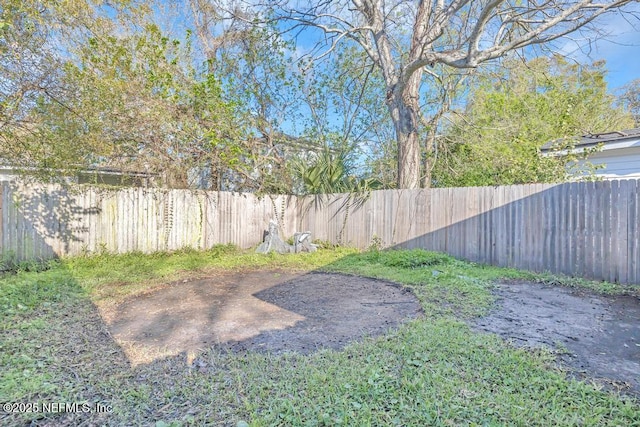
x=588 y=229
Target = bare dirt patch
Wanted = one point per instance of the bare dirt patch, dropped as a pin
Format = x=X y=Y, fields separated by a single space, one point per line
x=271 y=311
x=597 y=336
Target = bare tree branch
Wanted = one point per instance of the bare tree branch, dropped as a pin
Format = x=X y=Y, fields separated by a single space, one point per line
x=404 y=37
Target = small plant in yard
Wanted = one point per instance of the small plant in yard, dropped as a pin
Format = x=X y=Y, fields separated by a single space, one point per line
x=376 y=244
x=324 y=244
x=7 y=261
x=414 y=258
x=606 y=288
x=9 y=264
x=434 y=370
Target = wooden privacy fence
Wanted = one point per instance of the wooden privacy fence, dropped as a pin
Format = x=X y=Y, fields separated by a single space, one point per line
x=589 y=229
x=44 y=221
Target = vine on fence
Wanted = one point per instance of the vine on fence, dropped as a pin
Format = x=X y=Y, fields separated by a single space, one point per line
x=168 y=218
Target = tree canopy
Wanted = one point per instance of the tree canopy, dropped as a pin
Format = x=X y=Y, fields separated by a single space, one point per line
x=513 y=110
x=228 y=95
x=630 y=99
x=408 y=40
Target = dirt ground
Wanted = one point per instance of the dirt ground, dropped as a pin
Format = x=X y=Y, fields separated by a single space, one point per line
x=597 y=336
x=276 y=311
x=272 y=311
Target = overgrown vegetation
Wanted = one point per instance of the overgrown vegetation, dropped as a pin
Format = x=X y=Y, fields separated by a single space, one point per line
x=9 y=264
x=432 y=371
x=226 y=96
x=514 y=110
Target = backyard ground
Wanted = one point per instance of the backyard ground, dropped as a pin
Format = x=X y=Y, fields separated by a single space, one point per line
x=597 y=336
x=265 y=310
x=276 y=311
x=335 y=338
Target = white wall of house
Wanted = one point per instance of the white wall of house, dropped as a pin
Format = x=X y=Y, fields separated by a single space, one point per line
x=621 y=163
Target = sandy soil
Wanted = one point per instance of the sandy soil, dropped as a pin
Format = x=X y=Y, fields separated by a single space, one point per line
x=266 y=310
x=597 y=336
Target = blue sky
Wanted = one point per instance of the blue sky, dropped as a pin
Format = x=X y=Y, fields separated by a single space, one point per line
x=619 y=46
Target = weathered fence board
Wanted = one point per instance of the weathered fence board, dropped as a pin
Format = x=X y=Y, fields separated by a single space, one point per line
x=585 y=229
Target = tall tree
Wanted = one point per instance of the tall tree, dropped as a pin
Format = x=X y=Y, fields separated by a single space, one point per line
x=407 y=39
x=630 y=99
x=134 y=101
x=28 y=71
x=345 y=117
x=516 y=108
x=301 y=112
x=259 y=75
x=128 y=93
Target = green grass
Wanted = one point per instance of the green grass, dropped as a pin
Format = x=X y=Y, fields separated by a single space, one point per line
x=432 y=371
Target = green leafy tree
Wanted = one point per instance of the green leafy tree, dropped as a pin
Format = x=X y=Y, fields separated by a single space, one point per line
x=129 y=95
x=260 y=78
x=136 y=103
x=514 y=110
x=630 y=99
x=28 y=72
x=407 y=40
x=346 y=120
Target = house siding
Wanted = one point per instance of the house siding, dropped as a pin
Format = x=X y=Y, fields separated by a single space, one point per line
x=620 y=163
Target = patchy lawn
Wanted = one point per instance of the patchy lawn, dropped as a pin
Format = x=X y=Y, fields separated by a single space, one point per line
x=59 y=345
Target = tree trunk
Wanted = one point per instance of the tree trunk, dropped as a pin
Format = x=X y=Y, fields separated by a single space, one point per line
x=405 y=112
x=429 y=158
x=408 y=152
